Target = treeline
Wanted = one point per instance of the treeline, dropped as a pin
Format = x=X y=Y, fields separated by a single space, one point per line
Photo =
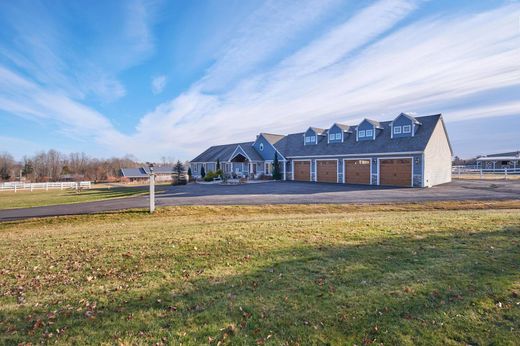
x=55 y=166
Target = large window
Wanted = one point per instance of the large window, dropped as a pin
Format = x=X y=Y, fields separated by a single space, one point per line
x=407 y=128
x=397 y=130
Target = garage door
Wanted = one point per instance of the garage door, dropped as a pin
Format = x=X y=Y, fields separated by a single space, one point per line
x=327 y=171
x=395 y=172
x=302 y=170
x=357 y=171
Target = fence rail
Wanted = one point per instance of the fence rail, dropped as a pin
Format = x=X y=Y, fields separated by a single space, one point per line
x=17 y=186
x=482 y=172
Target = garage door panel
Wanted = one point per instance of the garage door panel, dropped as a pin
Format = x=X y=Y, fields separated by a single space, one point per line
x=327 y=171
x=357 y=172
x=302 y=170
x=395 y=172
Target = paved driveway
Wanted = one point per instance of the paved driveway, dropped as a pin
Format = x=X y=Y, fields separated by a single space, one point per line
x=283 y=193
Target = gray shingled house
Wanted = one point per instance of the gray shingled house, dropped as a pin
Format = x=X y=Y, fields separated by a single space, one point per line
x=407 y=151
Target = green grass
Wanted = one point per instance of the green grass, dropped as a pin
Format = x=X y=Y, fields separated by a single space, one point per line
x=27 y=199
x=439 y=273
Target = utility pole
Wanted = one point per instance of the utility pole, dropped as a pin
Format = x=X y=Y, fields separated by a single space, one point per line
x=152 y=188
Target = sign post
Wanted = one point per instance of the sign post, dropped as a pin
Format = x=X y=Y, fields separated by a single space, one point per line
x=152 y=189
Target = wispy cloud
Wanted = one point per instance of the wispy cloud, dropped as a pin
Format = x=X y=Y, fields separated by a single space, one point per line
x=158 y=84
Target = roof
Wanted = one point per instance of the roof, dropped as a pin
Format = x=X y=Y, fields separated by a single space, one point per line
x=342 y=126
x=511 y=153
x=409 y=116
x=293 y=146
x=374 y=123
x=498 y=158
x=224 y=152
x=271 y=137
x=317 y=130
x=144 y=172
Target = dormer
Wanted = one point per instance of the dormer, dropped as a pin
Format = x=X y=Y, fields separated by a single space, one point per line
x=337 y=133
x=368 y=130
x=312 y=135
x=404 y=125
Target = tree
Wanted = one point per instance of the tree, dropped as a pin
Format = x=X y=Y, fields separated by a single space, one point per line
x=4 y=172
x=179 y=168
x=189 y=172
x=202 y=172
x=218 y=164
x=276 y=168
x=28 y=168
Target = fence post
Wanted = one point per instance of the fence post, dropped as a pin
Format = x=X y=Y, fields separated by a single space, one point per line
x=505 y=174
x=31 y=186
x=480 y=172
x=15 y=187
x=61 y=186
x=46 y=186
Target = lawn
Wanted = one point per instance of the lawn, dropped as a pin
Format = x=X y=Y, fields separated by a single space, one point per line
x=437 y=273
x=26 y=199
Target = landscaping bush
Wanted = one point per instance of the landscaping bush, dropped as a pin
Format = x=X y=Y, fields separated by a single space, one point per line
x=211 y=175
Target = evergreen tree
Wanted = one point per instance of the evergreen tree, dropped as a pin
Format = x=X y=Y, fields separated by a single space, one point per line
x=276 y=168
x=218 y=164
x=189 y=172
x=202 y=172
x=179 y=168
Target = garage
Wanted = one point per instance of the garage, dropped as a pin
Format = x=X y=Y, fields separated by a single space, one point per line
x=327 y=171
x=357 y=172
x=395 y=172
x=302 y=170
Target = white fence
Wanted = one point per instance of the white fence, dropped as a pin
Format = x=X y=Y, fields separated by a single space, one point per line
x=16 y=186
x=482 y=172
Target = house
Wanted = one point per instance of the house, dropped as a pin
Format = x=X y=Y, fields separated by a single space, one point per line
x=406 y=151
x=500 y=161
x=164 y=173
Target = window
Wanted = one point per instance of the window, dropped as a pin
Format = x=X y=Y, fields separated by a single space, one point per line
x=331 y=137
x=407 y=128
x=268 y=167
x=362 y=133
x=338 y=136
x=307 y=139
x=397 y=130
x=261 y=146
x=368 y=133
x=313 y=138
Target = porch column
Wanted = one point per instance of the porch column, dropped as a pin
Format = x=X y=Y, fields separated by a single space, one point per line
x=284 y=170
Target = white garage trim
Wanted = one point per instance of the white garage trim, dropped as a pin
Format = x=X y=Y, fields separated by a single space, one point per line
x=337 y=175
x=310 y=168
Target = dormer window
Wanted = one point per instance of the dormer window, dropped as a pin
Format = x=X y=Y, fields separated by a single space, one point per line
x=331 y=137
x=313 y=138
x=362 y=133
x=368 y=133
x=307 y=139
x=397 y=130
x=338 y=136
x=407 y=128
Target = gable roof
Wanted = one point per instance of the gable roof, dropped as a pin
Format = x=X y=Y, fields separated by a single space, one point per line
x=344 y=127
x=292 y=145
x=271 y=137
x=317 y=130
x=224 y=152
x=374 y=123
x=411 y=117
x=144 y=172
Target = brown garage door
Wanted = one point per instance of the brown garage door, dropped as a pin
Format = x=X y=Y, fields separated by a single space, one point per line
x=302 y=170
x=396 y=172
x=357 y=171
x=327 y=171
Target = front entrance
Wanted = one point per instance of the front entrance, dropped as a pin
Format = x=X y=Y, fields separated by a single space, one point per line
x=327 y=171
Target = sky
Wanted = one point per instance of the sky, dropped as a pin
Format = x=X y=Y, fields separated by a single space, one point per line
x=159 y=79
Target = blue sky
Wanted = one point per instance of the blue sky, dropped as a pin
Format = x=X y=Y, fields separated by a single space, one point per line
x=170 y=78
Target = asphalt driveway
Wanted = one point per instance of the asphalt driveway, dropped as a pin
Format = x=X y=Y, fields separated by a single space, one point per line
x=283 y=193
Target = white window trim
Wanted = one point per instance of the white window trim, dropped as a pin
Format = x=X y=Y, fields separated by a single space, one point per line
x=397 y=130
x=313 y=139
x=361 y=133
x=369 y=133
x=261 y=146
x=338 y=136
x=332 y=137
x=407 y=129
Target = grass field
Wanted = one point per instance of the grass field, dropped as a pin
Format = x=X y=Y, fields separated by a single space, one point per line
x=439 y=273
x=26 y=199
